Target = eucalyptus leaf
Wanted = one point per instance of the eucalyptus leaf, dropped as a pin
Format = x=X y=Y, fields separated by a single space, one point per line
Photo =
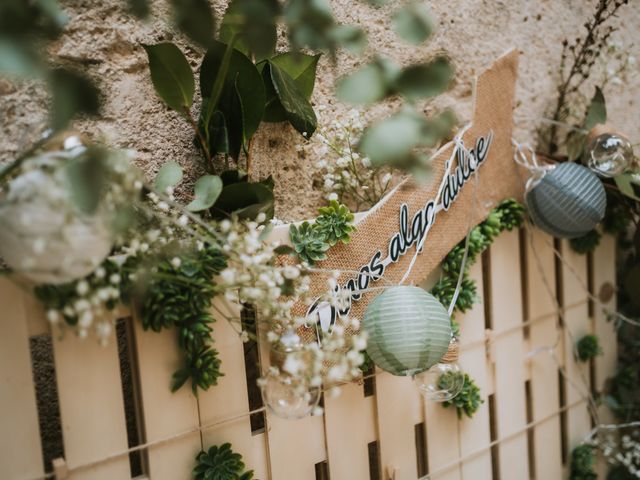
x=171 y=75
x=365 y=86
x=597 y=110
x=298 y=109
x=351 y=38
x=87 y=179
x=18 y=60
x=425 y=80
x=392 y=140
x=413 y=23
x=254 y=23
x=169 y=175
x=302 y=68
x=575 y=144
x=195 y=19
x=207 y=190
x=73 y=94
x=140 y=8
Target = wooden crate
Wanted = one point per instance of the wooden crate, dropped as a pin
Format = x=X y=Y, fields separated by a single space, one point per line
x=384 y=431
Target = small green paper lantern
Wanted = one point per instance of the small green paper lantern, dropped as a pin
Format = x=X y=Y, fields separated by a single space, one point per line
x=567 y=202
x=409 y=330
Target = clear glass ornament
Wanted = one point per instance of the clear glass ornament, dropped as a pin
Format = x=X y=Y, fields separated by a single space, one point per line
x=442 y=382
x=289 y=342
x=287 y=400
x=610 y=155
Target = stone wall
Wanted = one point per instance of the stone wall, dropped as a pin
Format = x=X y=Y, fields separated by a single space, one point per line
x=107 y=42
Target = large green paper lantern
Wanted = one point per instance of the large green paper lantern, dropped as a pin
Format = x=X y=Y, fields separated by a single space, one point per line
x=409 y=330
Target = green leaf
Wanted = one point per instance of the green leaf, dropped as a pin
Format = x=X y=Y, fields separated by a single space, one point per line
x=425 y=80
x=17 y=59
x=87 y=179
x=171 y=75
x=242 y=97
x=413 y=23
x=597 y=110
x=254 y=23
x=351 y=38
x=195 y=19
x=207 y=190
x=244 y=199
x=169 y=175
x=73 y=94
x=140 y=8
x=365 y=86
x=298 y=109
x=575 y=144
x=302 y=68
x=392 y=140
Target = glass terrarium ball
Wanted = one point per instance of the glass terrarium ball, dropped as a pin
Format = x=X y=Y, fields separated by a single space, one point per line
x=287 y=400
x=442 y=382
x=610 y=155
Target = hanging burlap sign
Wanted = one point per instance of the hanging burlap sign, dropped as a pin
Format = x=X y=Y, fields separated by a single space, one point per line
x=406 y=236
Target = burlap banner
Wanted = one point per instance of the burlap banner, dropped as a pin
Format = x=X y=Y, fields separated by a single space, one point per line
x=390 y=235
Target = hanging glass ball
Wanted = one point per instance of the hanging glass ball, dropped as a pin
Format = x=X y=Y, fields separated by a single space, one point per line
x=441 y=383
x=408 y=330
x=286 y=399
x=567 y=202
x=289 y=342
x=610 y=155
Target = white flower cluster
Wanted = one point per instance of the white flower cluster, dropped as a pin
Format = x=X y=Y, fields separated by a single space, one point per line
x=622 y=447
x=346 y=175
x=252 y=275
x=89 y=306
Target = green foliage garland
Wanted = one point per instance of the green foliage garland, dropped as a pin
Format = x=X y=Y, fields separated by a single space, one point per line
x=180 y=296
x=220 y=463
x=583 y=462
x=468 y=400
x=508 y=215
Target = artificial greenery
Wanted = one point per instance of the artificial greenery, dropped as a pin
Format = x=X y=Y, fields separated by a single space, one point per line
x=587 y=243
x=588 y=347
x=508 y=215
x=583 y=462
x=310 y=244
x=335 y=223
x=311 y=241
x=220 y=463
x=468 y=400
x=179 y=295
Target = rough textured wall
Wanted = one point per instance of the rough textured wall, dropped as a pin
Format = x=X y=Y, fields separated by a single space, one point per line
x=103 y=38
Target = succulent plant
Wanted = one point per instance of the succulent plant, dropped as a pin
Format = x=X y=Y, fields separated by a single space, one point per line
x=220 y=463
x=308 y=242
x=335 y=223
x=588 y=347
x=587 y=243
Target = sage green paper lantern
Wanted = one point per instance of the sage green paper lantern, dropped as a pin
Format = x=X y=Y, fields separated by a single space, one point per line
x=567 y=202
x=409 y=330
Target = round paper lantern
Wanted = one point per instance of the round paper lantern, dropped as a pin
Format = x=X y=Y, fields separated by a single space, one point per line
x=409 y=330
x=567 y=202
x=610 y=155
